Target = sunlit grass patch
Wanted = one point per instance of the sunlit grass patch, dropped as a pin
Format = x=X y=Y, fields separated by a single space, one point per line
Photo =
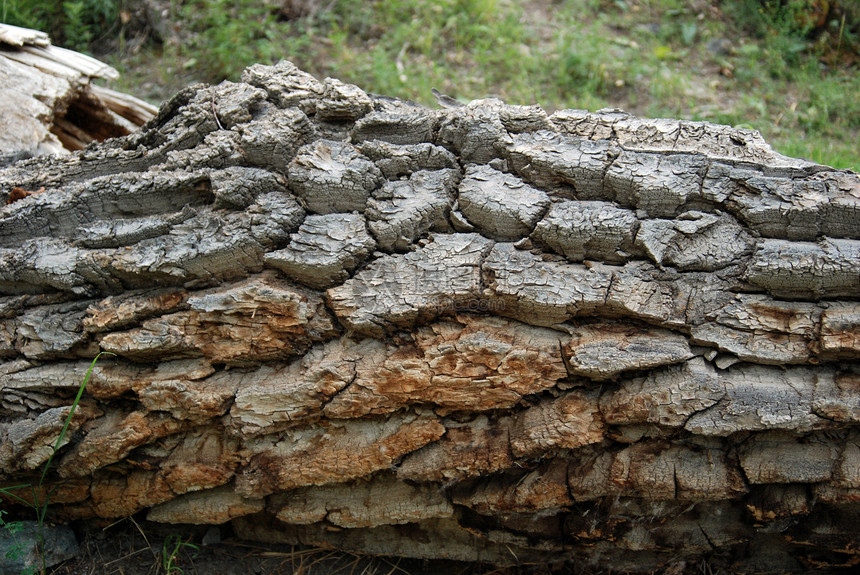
x=780 y=66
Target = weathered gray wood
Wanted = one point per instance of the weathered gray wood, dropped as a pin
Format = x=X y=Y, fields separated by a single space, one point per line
x=48 y=103
x=325 y=250
x=501 y=206
x=333 y=177
x=402 y=211
x=588 y=230
x=480 y=333
x=395 y=161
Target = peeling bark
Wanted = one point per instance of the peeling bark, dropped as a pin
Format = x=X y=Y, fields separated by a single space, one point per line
x=481 y=333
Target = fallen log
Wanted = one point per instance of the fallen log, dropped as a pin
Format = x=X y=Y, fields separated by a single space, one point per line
x=48 y=102
x=483 y=332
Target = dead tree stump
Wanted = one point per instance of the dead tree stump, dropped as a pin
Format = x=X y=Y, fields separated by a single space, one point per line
x=483 y=333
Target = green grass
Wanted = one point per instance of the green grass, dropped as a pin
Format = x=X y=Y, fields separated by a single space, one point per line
x=651 y=57
x=655 y=58
x=74 y=24
x=171 y=550
x=38 y=505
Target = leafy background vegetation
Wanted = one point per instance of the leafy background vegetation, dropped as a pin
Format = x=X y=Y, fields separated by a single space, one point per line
x=788 y=68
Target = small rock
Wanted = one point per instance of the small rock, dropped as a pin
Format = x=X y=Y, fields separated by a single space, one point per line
x=19 y=541
x=212 y=536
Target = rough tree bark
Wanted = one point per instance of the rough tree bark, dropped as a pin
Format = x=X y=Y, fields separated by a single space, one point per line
x=483 y=332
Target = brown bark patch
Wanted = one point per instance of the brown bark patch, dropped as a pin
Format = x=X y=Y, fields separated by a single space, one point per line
x=541 y=489
x=118 y=312
x=659 y=471
x=114 y=495
x=483 y=362
x=263 y=318
x=478 y=447
x=18 y=194
x=112 y=437
x=331 y=453
x=569 y=421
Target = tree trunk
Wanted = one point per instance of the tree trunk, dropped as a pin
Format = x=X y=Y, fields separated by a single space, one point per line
x=481 y=333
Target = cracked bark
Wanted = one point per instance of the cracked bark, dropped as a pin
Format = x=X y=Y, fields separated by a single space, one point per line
x=481 y=333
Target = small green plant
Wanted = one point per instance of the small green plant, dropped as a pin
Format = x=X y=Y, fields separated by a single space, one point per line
x=36 y=503
x=229 y=34
x=170 y=552
x=16 y=551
